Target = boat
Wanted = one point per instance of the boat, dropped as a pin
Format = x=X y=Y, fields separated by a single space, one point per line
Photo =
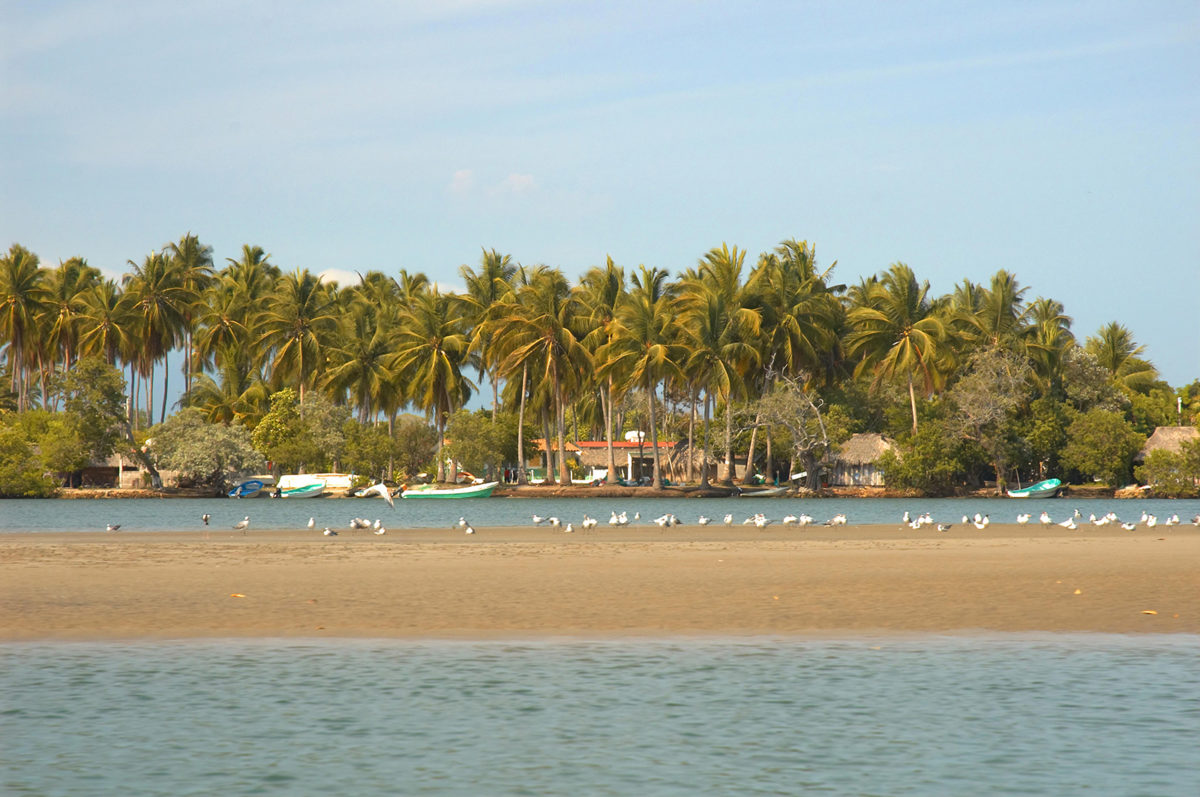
x=251 y=488
x=761 y=493
x=1043 y=489
x=310 y=490
x=434 y=491
x=334 y=482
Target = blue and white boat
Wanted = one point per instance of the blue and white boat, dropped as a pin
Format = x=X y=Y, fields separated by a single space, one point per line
x=1043 y=489
x=251 y=488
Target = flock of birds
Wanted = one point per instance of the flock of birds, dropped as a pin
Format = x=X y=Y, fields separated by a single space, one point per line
x=758 y=520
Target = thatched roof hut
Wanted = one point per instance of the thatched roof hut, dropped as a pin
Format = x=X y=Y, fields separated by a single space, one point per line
x=1168 y=438
x=854 y=463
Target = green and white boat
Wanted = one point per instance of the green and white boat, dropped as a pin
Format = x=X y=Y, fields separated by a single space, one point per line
x=1044 y=489
x=434 y=491
x=310 y=490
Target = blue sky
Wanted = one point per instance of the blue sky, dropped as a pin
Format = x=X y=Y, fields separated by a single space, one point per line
x=1058 y=140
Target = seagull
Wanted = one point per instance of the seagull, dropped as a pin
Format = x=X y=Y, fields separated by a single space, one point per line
x=569 y=529
x=312 y=522
x=539 y=520
x=205 y=518
x=1045 y=519
x=555 y=522
x=906 y=518
x=804 y=520
x=945 y=526
x=359 y=523
x=329 y=532
x=382 y=490
x=468 y=530
x=761 y=521
x=729 y=519
x=380 y=530
x=1129 y=526
x=377 y=525
x=837 y=520
x=614 y=520
x=112 y=527
x=589 y=522
x=1196 y=520
x=1151 y=520
x=462 y=522
x=703 y=520
x=242 y=524
x=1173 y=520
x=790 y=520
x=981 y=523
x=1069 y=523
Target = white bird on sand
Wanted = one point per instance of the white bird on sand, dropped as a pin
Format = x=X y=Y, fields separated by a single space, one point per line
x=312 y=522
x=906 y=518
x=1045 y=518
x=329 y=532
x=804 y=520
x=790 y=520
x=1196 y=520
x=468 y=530
x=462 y=522
x=568 y=529
x=636 y=516
x=242 y=524
x=555 y=522
x=981 y=523
x=377 y=525
x=1129 y=526
x=1069 y=523
x=1173 y=520
x=1151 y=521
x=589 y=522
x=205 y=518
x=729 y=519
x=538 y=520
x=112 y=527
x=837 y=520
x=945 y=526
x=380 y=530
x=761 y=521
x=703 y=520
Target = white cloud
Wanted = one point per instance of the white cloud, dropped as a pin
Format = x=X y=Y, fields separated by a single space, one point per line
x=462 y=181
x=339 y=275
x=515 y=184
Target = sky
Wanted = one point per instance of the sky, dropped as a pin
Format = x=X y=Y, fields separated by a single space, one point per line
x=1057 y=140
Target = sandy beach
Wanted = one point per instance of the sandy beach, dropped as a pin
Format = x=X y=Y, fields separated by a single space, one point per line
x=525 y=582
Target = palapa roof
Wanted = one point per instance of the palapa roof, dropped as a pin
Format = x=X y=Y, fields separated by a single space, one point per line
x=864 y=448
x=1169 y=438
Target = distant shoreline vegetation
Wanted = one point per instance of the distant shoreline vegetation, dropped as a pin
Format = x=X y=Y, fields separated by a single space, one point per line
x=751 y=372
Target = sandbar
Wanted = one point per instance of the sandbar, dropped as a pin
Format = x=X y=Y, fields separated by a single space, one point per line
x=644 y=582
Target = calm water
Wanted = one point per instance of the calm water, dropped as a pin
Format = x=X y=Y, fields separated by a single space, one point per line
x=183 y=514
x=1030 y=715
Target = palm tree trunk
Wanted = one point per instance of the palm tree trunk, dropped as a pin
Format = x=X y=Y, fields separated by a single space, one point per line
x=564 y=474
x=162 y=413
x=770 y=459
x=912 y=401
x=704 y=459
x=546 y=438
x=690 y=469
x=654 y=436
x=748 y=476
x=730 y=468
x=522 y=475
x=606 y=398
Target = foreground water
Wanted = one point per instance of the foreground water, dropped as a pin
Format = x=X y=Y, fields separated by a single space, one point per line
x=183 y=514
x=1031 y=715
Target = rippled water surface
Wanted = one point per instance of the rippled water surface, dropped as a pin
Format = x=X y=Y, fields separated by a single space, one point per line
x=183 y=514
x=1042 y=715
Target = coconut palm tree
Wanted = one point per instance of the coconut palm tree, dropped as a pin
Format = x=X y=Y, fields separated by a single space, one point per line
x=359 y=361
x=1048 y=342
x=431 y=350
x=194 y=262
x=1114 y=347
x=599 y=294
x=103 y=315
x=65 y=285
x=296 y=328
x=898 y=333
x=159 y=298
x=485 y=288
x=992 y=317
x=645 y=343
x=23 y=297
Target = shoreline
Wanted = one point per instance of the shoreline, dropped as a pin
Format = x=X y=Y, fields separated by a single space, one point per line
x=529 y=583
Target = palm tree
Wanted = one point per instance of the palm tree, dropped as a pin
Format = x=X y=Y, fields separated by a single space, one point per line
x=1115 y=349
x=644 y=344
x=159 y=298
x=431 y=350
x=103 y=313
x=65 y=285
x=241 y=396
x=359 y=361
x=195 y=264
x=898 y=332
x=536 y=331
x=599 y=294
x=1048 y=342
x=296 y=328
x=992 y=317
x=485 y=288
x=23 y=297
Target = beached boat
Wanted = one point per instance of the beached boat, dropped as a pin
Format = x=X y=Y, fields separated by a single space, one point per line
x=310 y=490
x=760 y=493
x=334 y=482
x=251 y=488
x=434 y=491
x=1043 y=489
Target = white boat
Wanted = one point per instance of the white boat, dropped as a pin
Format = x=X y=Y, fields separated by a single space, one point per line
x=434 y=491
x=333 y=482
x=310 y=490
x=1044 y=489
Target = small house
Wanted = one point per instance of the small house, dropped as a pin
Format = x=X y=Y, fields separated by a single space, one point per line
x=1168 y=438
x=854 y=464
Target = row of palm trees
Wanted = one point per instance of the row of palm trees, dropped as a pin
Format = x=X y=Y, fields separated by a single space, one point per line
x=720 y=334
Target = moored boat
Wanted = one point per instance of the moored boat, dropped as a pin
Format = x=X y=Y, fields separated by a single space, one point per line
x=434 y=491
x=251 y=488
x=310 y=490
x=1043 y=489
x=334 y=482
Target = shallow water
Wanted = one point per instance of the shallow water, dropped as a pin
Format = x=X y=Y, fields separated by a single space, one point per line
x=1031 y=715
x=183 y=514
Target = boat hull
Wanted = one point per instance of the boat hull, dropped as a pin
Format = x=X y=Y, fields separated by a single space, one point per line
x=469 y=491
x=251 y=488
x=314 y=490
x=1044 y=489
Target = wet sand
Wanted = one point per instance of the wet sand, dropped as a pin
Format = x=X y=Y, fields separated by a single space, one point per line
x=526 y=582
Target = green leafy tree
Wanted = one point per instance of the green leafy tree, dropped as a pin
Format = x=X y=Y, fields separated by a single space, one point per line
x=94 y=392
x=934 y=460
x=56 y=438
x=997 y=383
x=295 y=437
x=476 y=442
x=369 y=449
x=22 y=472
x=1101 y=445
x=1172 y=474
x=202 y=452
x=416 y=444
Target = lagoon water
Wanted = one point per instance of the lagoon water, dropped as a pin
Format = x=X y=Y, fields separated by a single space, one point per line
x=920 y=715
x=183 y=514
